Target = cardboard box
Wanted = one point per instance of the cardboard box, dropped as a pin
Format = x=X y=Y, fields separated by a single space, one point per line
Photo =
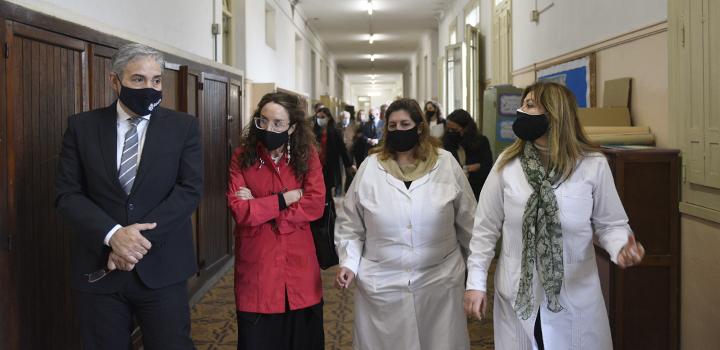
x=613 y=116
x=616 y=106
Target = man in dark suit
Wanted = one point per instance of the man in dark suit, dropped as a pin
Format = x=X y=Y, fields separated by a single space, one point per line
x=369 y=135
x=129 y=179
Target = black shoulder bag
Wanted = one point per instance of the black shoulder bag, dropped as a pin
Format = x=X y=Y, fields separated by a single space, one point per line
x=323 y=231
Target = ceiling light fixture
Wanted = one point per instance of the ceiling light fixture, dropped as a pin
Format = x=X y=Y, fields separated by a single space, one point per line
x=372 y=38
x=372 y=58
x=370 y=7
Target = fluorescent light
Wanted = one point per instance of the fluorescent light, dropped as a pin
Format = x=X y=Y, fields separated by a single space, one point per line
x=370 y=7
x=372 y=58
x=372 y=38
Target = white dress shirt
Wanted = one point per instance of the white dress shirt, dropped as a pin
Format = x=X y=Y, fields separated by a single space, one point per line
x=123 y=125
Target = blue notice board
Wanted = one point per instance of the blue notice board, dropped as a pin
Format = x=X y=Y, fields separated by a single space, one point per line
x=575 y=75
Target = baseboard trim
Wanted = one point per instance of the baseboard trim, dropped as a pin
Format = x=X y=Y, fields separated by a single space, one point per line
x=212 y=281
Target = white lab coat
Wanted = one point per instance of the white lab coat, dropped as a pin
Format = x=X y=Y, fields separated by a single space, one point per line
x=405 y=247
x=589 y=207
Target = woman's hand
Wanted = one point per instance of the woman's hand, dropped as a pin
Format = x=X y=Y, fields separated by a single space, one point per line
x=475 y=304
x=292 y=196
x=344 y=278
x=631 y=254
x=244 y=193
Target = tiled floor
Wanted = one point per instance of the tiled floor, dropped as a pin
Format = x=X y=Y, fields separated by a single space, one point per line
x=214 y=326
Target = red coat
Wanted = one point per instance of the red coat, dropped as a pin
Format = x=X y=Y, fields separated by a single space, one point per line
x=274 y=249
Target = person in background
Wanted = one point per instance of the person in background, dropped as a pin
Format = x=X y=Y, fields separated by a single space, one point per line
x=333 y=153
x=408 y=217
x=369 y=134
x=550 y=195
x=348 y=129
x=275 y=190
x=361 y=117
x=433 y=113
x=472 y=150
x=318 y=106
x=383 y=108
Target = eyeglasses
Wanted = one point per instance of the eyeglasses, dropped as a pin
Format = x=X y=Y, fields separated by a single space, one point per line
x=97 y=275
x=277 y=125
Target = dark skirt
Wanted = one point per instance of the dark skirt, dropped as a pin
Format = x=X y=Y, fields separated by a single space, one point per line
x=293 y=330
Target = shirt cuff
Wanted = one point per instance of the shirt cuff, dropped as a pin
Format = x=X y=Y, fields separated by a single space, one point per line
x=110 y=234
x=281 y=202
x=476 y=280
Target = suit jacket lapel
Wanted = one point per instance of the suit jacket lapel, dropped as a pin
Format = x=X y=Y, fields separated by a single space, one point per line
x=108 y=143
x=150 y=147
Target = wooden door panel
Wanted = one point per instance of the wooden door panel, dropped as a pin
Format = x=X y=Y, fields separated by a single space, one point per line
x=47 y=83
x=213 y=242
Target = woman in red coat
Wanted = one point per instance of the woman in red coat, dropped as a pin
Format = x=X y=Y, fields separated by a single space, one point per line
x=276 y=188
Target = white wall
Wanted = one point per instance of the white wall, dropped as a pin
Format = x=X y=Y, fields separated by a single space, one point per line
x=263 y=64
x=573 y=24
x=186 y=27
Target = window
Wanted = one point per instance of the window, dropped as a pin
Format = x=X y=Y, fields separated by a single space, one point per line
x=327 y=76
x=227 y=31
x=472 y=13
x=298 y=63
x=453 y=33
x=501 y=32
x=269 y=25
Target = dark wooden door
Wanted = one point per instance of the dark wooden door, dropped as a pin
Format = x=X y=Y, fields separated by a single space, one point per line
x=213 y=241
x=234 y=128
x=8 y=301
x=101 y=92
x=47 y=82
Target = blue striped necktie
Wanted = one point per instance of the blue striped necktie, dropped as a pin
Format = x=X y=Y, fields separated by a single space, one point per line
x=129 y=159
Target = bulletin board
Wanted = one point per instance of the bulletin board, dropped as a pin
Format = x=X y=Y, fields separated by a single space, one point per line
x=578 y=75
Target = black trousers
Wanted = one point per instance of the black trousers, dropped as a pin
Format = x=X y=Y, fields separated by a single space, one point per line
x=106 y=320
x=293 y=330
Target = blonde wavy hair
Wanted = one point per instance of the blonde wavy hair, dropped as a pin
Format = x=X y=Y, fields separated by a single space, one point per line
x=567 y=141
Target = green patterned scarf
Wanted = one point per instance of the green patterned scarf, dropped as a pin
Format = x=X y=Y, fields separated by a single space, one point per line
x=542 y=237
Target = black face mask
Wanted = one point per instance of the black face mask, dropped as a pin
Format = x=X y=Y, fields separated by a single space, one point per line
x=273 y=140
x=530 y=127
x=452 y=139
x=140 y=101
x=402 y=140
x=429 y=114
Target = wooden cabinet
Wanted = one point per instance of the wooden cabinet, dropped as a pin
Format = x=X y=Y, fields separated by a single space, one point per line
x=643 y=301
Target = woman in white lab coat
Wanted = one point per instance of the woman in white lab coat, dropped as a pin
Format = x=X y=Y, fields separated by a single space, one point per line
x=549 y=195
x=407 y=221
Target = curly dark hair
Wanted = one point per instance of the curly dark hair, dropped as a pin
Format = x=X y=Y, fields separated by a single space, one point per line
x=302 y=139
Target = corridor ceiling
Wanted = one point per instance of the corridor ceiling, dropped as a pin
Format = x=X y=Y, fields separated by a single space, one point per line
x=398 y=25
